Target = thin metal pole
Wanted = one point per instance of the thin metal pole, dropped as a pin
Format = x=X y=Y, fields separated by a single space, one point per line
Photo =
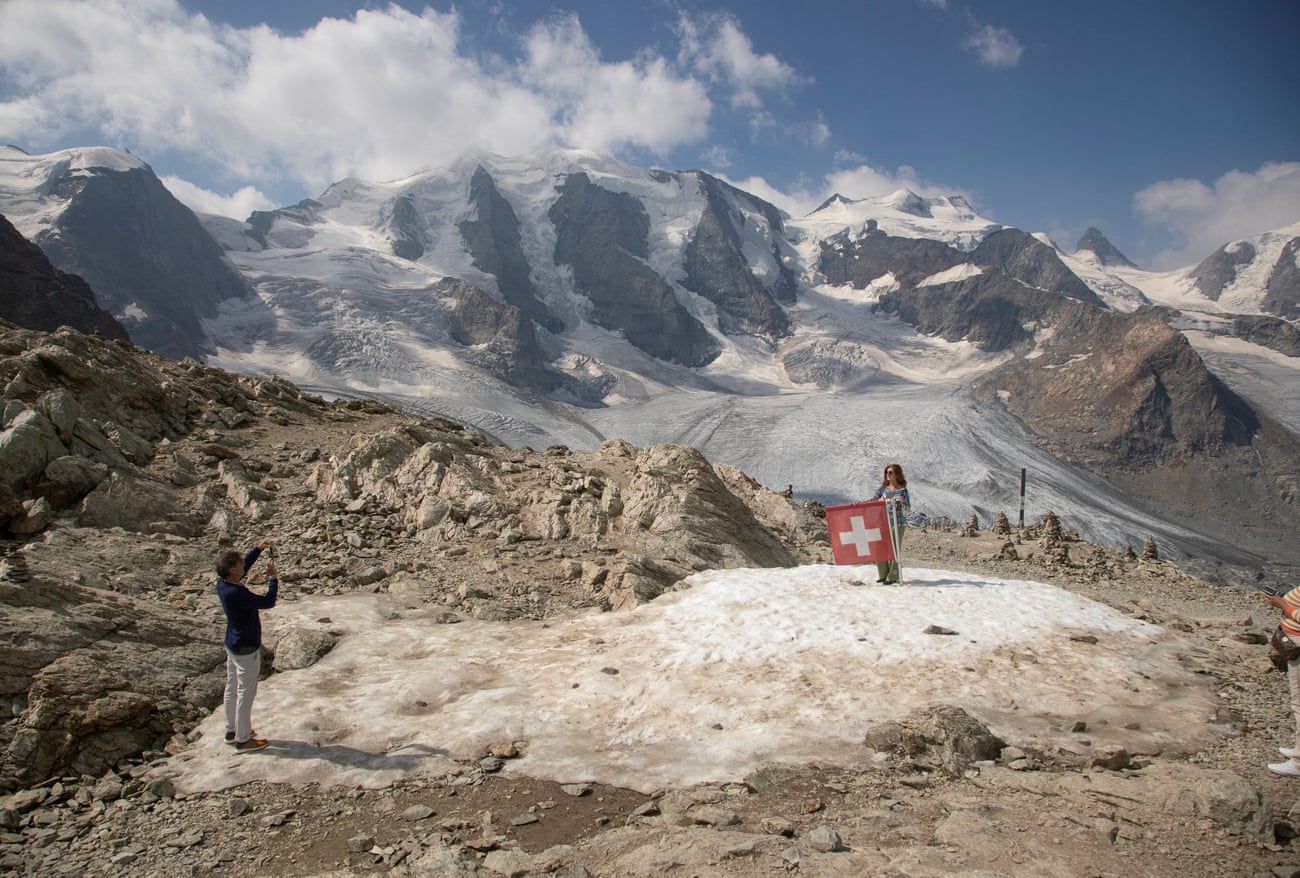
x=891 y=517
x=1022 y=498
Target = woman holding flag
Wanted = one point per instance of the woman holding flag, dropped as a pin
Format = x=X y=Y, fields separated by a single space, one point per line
x=893 y=490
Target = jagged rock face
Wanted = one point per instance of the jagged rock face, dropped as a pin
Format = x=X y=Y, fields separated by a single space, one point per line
x=99 y=674
x=991 y=310
x=503 y=337
x=1218 y=270
x=1271 y=332
x=1283 y=298
x=1121 y=392
x=910 y=260
x=603 y=236
x=716 y=268
x=494 y=241
x=81 y=415
x=1032 y=262
x=296 y=226
x=1104 y=250
x=136 y=245
x=36 y=295
x=124 y=472
x=1022 y=282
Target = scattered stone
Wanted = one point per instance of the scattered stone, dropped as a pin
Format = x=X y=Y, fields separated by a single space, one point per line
x=361 y=843
x=940 y=630
x=824 y=839
x=777 y=826
x=1111 y=758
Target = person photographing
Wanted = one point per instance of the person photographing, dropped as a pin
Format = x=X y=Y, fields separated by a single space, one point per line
x=244 y=638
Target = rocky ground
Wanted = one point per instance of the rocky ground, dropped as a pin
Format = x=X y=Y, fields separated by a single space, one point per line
x=112 y=654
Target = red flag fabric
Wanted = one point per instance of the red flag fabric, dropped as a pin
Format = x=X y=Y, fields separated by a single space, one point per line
x=860 y=533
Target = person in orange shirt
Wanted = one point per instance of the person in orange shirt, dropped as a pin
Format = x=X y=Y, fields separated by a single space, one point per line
x=1289 y=604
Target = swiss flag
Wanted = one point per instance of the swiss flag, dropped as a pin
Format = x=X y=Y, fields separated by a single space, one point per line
x=860 y=533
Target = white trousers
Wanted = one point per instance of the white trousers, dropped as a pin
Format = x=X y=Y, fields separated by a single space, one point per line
x=241 y=688
x=1293 y=677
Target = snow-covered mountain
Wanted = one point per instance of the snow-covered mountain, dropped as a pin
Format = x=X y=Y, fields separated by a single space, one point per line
x=102 y=214
x=567 y=297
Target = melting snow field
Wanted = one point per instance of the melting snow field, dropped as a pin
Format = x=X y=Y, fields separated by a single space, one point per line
x=737 y=669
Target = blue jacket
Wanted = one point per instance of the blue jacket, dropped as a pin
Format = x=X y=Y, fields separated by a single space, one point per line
x=243 y=624
x=902 y=503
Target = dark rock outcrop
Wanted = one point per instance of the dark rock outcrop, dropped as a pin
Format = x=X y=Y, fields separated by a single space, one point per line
x=145 y=255
x=494 y=241
x=1033 y=263
x=603 y=236
x=36 y=295
x=503 y=338
x=859 y=262
x=298 y=220
x=409 y=238
x=1271 y=332
x=716 y=268
x=1283 y=297
x=1121 y=392
x=1214 y=273
x=991 y=310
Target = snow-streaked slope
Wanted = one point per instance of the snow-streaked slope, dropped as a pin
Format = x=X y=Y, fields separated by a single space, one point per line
x=903 y=214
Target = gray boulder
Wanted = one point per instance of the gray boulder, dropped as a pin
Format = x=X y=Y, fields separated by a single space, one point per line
x=301 y=648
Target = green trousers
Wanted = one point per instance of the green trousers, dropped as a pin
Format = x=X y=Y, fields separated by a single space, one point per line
x=889 y=570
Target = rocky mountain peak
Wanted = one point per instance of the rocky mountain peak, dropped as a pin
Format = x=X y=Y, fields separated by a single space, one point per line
x=1107 y=254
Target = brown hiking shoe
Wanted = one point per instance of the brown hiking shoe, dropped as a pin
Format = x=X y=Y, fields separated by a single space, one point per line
x=251 y=744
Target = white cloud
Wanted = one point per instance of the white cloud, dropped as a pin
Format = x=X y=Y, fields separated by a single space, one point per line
x=716 y=46
x=717 y=157
x=237 y=205
x=798 y=200
x=1201 y=218
x=995 y=46
x=378 y=95
x=602 y=106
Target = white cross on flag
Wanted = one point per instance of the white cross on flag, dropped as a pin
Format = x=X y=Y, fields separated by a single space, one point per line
x=860 y=533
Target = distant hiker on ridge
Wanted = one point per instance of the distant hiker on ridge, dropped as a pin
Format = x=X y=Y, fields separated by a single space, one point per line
x=893 y=490
x=243 y=639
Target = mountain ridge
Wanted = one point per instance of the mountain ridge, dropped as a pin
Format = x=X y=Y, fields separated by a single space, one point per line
x=685 y=286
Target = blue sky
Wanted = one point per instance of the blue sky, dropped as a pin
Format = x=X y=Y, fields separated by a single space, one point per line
x=1173 y=128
